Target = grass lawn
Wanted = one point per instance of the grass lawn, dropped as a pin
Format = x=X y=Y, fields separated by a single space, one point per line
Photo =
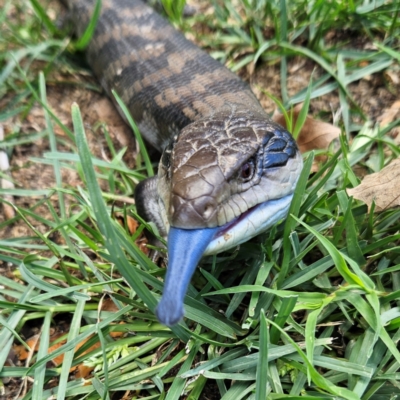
x=309 y=310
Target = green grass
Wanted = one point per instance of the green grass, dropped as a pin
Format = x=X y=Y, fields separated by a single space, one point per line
x=315 y=312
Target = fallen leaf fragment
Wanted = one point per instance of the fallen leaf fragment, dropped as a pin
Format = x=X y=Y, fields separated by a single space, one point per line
x=382 y=187
x=390 y=114
x=314 y=135
x=132 y=226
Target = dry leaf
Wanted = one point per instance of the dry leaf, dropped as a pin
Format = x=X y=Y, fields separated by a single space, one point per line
x=383 y=187
x=315 y=135
x=131 y=223
x=132 y=226
x=390 y=114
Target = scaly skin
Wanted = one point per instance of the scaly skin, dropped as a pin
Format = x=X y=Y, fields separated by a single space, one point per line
x=227 y=171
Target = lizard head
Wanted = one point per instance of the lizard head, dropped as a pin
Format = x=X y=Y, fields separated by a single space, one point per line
x=221 y=182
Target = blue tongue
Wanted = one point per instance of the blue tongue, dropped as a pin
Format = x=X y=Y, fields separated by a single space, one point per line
x=185 y=248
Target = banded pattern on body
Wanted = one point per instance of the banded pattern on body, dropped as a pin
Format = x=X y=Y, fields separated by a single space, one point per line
x=165 y=80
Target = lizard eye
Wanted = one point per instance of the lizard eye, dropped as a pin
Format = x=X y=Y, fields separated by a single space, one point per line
x=247 y=170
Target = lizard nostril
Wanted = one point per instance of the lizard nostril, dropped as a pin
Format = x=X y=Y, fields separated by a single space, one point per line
x=208 y=210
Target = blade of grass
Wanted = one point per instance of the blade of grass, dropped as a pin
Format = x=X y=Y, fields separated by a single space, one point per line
x=69 y=354
x=44 y=17
x=301 y=119
x=84 y=40
x=262 y=368
x=318 y=379
x=176 y=389
x=291 y=223
x=285 y=309
x=138 y=136
x=40 y=372
x=107 y=226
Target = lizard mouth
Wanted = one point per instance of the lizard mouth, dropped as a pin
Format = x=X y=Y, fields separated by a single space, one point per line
x=251 y=223
x=187 y=246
